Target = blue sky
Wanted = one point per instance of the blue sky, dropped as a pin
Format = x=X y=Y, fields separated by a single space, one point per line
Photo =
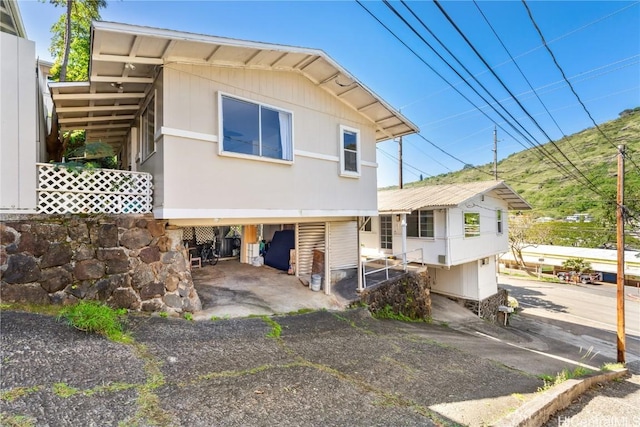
x=596 y=43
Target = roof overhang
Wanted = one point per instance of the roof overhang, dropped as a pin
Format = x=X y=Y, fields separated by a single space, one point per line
x=125 y=60
x=11 y=19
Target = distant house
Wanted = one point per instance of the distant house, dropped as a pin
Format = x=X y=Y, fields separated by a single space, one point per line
x=458 y=230
x=230 y=132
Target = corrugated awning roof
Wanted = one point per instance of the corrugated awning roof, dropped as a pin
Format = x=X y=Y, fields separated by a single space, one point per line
x=125 y=60
x=446 y=195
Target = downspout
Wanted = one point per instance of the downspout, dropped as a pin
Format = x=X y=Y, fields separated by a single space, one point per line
x=359 y=227
x=327 y=259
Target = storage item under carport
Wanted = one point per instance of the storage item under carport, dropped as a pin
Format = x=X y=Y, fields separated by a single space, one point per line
x=278 y=254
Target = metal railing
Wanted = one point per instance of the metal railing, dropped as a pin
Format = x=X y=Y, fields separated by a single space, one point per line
x=64 y=189
x=379 y=268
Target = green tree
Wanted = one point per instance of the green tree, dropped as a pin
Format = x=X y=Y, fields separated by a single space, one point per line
x=577 y=264
x=70 y=45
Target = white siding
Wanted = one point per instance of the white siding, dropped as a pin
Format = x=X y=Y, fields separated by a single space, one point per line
x=309 y=236
x=18 y=140
x=243 y=188
x=343 y=244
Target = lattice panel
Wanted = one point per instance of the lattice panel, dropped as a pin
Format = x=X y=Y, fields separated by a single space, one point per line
x=64 y=190
x=204 y=234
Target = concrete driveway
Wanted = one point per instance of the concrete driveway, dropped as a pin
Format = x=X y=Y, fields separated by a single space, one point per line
x=231 y=289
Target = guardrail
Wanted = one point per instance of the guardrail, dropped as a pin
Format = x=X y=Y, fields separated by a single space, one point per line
x=64 y=189
x=379 y=268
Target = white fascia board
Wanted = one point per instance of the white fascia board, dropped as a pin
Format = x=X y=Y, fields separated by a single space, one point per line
x=57 y=85
x=168 y=213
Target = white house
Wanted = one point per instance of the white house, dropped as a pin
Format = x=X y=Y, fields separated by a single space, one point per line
x=235 y=133
x=457 y=230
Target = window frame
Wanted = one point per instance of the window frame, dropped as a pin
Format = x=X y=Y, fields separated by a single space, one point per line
x=343 y=172
x=223 y=152
x=419 y=224
x=499 y=221
x=467 y=233
x=147 y=141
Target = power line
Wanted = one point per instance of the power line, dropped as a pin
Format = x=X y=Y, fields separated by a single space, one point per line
x=593 y=187
x=555 y=61
x=537 y=145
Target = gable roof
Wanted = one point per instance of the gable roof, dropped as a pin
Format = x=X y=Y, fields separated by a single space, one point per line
x=446 y=196
x=125 y=60
x=11 y=19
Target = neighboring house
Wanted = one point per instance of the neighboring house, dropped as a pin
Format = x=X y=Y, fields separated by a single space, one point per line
x=21 y=125
x=235 y=133
x=457 y=230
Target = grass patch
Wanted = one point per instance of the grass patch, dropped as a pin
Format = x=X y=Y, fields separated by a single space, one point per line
x=163 y=314
x=15 y=393
x=612 y=366
x=276 y=329
x=301 y=311
x=218 y=318
x=49 y=309
x=188 y=316
x=387 y=312
x=96 y=317
x=550 y=381
x=16 y=420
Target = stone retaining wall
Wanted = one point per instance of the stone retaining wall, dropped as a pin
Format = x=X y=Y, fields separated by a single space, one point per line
x=488 y=308
x=128 y=261
x=409 y=294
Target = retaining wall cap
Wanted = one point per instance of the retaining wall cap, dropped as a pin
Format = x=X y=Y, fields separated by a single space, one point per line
x=537 y=411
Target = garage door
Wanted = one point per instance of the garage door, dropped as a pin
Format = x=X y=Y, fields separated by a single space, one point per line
x=343 y=245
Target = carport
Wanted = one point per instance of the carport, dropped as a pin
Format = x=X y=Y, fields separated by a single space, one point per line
x=234 y=289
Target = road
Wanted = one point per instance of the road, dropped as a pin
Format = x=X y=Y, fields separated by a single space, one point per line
x=584 y=315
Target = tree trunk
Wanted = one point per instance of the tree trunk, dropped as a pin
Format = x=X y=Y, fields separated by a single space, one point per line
x=67 y=43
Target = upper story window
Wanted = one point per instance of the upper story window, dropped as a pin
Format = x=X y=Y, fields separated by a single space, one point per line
x=420 y=224
x=499 y=221
x=254 y=129
x=349 y=151
x=471 y=224
x=148 y=129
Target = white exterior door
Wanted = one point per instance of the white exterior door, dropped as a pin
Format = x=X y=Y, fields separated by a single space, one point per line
x=386 y=233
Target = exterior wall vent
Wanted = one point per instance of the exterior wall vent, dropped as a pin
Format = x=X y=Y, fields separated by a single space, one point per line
x=442 y=259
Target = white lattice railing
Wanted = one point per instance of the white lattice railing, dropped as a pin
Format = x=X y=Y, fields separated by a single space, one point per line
x=73 y=190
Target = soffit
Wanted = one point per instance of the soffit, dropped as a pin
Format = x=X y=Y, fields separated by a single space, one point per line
x=125 y=59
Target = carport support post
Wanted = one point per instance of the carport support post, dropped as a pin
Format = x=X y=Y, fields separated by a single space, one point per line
x=404 y=241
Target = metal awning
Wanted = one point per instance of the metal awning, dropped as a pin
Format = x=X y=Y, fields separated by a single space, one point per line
x=125 y=60
x=445 y=196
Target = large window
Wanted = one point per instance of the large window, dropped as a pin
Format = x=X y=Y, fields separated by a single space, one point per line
x=148 y=129
x=420 y=224
x=471 y=224
x=349 y=151
x=256 y=130
x=499 y=221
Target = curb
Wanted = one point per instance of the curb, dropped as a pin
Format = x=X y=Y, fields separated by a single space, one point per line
x=536 y=412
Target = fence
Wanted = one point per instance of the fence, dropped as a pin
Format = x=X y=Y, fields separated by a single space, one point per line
x=64 y=189
x=376 y=270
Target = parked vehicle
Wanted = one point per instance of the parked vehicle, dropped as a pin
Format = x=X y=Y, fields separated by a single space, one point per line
x=572 y=276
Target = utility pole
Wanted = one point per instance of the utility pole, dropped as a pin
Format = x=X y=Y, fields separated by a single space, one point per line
x=620 y=248
x=495 y=152
x=400 y=162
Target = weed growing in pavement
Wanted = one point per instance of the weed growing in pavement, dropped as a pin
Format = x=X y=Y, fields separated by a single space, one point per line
x=163 y=314
x=94 y=316
x=216 y=318
x=188 y=316
x=14 y=393
x=16 y=420
x=301 y=311
x=50 y=309
x=276 y=329
x=64 y=390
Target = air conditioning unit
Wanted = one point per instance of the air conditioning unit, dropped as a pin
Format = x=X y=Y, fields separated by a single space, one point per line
x=442 y=259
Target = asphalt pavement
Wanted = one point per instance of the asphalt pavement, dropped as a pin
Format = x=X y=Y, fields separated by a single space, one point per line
x=340 y=368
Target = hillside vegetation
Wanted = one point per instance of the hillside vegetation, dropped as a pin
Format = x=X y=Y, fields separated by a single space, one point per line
x=550 y=191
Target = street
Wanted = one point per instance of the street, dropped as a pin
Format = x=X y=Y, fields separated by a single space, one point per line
x=584 y=315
